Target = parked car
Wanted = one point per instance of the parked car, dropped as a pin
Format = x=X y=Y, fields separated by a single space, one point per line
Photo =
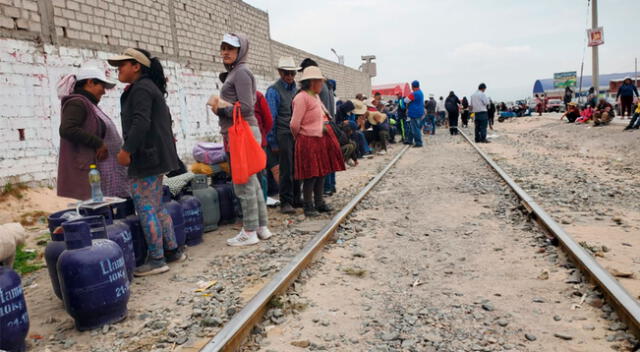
x=555 y=105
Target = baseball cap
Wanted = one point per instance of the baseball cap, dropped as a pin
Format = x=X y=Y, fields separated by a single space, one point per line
x=92 y=72
x=415 y=84
x=231 y=40
x=130 y=54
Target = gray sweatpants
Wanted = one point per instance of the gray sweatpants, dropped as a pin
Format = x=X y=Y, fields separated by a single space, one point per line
x=254 y=208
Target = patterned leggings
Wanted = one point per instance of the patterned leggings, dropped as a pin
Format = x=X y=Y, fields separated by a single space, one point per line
x=154 y=218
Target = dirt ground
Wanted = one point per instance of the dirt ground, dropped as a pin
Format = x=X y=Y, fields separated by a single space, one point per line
x=165 y=312
x=586 y=177
x=438 y=258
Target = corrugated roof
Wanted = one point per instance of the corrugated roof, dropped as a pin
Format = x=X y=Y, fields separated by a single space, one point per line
x=542 y=85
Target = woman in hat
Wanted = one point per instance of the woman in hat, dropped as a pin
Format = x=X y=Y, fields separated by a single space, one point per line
x=87 y=136
x=240 y=86
x=149 y=151
x=317 y=152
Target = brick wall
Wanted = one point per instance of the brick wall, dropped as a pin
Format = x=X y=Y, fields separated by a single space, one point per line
x=40 y=41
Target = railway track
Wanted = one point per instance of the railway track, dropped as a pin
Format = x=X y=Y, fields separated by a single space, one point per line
x=626 y=306
x=232 y=336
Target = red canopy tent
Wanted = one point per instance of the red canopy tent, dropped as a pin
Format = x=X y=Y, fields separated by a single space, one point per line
x=391 y=89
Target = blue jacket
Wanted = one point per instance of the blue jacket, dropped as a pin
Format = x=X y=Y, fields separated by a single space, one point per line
x=416 y=106
x=273 y=99
x=627 y=90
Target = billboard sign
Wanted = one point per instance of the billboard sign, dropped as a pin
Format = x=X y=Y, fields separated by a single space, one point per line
x=595 y=36
x=564 y=79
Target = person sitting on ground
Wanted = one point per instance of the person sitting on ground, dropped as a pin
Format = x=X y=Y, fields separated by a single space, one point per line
x=635 y=120
x=603 y=114
x=356 y=121
x=572 y=114
x=350 y=153
x=377 y=128
x=585 y=115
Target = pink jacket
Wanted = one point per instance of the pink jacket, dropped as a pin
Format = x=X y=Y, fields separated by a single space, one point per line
x=308 y=116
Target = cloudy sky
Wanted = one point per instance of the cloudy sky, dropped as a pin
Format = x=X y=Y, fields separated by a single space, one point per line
x=507 y=44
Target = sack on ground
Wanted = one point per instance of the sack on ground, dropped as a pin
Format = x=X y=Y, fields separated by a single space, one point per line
x=209 y=153
x=201 y=169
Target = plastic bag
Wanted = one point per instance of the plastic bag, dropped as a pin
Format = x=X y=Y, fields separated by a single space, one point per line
x=247 y=156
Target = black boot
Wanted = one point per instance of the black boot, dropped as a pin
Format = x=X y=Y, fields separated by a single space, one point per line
x=323 y=207
x=310 y=210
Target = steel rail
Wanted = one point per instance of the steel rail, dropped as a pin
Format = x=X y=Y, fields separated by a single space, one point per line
x=626 y=306
x=235 y=332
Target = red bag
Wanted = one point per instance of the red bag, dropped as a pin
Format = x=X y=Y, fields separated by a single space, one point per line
x=247 y=157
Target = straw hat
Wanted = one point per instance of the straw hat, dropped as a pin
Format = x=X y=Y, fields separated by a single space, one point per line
x=311 y=72
x=360 y=108
x=288 y=64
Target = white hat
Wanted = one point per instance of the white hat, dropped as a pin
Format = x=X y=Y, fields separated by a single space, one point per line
x=369 y=103
x=92 y=72
x=231 y=40
x=311 y=72
x=288 y=64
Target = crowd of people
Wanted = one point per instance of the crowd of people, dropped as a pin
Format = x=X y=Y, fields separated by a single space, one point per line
x=307 y=133
x=601 y=112
x=307 y=137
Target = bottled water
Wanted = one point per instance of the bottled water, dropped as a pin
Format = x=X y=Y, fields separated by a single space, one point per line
x=94 y=181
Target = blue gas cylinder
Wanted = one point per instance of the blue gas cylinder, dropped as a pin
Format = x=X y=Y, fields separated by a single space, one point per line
x=56 y=219
x=119 y=233
x=137 y=238
x=193 y=220
x=55 y=247
x=14 y=319
x=93 y=278
x=175 y=210
x=104 y=211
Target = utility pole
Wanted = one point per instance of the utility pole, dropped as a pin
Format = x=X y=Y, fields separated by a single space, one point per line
x=636 y=77
x=595 y=63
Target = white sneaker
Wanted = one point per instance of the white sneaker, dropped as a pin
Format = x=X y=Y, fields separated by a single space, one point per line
x=272 y=202
x=243 y=239
x=382 y=152
x=264 y=233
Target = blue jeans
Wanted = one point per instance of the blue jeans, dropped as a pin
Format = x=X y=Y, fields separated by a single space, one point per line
x=481 y=122
x=430 y=123
x=416 y=131
x=405 y=129
x=361 y=140
x=330 y=182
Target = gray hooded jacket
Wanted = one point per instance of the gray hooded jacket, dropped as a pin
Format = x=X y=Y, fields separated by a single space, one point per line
x=239 y=85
